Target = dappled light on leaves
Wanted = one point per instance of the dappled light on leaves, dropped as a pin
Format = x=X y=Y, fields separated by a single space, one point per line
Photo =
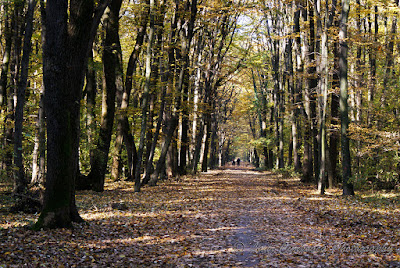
x=230 y=217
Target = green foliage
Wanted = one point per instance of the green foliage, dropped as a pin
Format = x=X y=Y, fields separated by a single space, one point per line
x=262 y=142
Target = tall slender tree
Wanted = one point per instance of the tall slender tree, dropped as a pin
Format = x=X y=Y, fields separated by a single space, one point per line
x=344 y=108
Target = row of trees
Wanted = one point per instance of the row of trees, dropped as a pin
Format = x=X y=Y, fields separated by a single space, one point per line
x=146 y=89
x=304 y=102
x=148 y=79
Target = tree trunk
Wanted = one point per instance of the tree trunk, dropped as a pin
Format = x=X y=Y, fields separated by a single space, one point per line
x=297 y=89
x=91 y=91
x=20 y=182
x=344 y=109
x=207 y=119
x=123 y=129
x=308 y=166
x=112 y=65
x=184 y=84
x=6 y=59
x=198 y=143
x=67 y=44
x=160 y=61
x=213 y=162
x=388 y=64
x=145 y=96
x=39 y=154
x=323 y=106
x=161 y=161
x=16 y=32
x=372 y=66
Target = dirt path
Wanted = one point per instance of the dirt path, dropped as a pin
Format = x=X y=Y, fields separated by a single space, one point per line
x=225 y=218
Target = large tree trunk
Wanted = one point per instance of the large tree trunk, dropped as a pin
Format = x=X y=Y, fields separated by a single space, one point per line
x=334 y=133
x=323 y=101
x=323 y=95
x=39 y=153
x=344 y=109
x=66 y=48
x=297 y=89
x=308 y=165
x=312 y=87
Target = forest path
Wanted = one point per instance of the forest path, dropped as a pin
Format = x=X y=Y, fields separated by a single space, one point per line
x=236 y=217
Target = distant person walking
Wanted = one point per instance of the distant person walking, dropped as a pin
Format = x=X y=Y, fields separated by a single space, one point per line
x=238 y=161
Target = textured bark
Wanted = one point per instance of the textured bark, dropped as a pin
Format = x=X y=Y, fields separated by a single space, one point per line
x=333 y=153
x=70 y=30
x=172 y=95
x=309 y=109
x=323 y=110
x=275 y=61
x=323 y=93
x=294 y=85
x=344 y=109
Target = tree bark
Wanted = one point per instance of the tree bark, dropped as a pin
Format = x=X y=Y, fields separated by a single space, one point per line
x=20 y=182
x=70 y=30
x=344 y=109
x=123 y=129
x=145 y=96
x=112 y=66
x=6 y=58
x=372 y=66
x=39 y=155
x=161 y=161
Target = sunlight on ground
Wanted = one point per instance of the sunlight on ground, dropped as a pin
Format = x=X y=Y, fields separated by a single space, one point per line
x=221 y=217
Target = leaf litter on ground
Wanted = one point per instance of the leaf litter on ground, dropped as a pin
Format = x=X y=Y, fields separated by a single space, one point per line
x=223 y=218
